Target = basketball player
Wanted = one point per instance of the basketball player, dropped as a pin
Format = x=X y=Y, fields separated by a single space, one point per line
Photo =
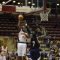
x=22 y=44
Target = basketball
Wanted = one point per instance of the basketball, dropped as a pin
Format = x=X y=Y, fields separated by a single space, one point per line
x=20 y=17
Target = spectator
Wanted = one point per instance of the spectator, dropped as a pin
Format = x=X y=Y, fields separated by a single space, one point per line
x=13 y=56
x=47 y=40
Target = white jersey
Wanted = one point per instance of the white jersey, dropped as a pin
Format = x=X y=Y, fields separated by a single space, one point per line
x=22 y=36
x=4 y=50
x=21 y=47
x=2 y=57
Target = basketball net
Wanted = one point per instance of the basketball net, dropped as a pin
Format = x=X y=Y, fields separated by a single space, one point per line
x=44 y=15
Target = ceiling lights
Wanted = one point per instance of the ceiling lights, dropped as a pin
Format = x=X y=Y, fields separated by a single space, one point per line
x=18 y=3
x=14 y=1
x=33 y=4
x=29 y=2
x=3 y=2
x=58 y=4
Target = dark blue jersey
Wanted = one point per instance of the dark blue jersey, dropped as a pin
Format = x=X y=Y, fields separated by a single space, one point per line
x=34 y=42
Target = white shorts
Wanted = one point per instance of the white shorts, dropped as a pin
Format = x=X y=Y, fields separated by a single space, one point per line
x=21 y=49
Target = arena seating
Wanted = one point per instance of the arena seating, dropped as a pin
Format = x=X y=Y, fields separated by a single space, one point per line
x=8 y=25
x=52 y=26
x=53 y=29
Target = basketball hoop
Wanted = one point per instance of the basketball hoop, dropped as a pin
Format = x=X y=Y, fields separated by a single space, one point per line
x=44 y=14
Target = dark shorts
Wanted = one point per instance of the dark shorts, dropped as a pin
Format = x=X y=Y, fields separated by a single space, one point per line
x=34 y=53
